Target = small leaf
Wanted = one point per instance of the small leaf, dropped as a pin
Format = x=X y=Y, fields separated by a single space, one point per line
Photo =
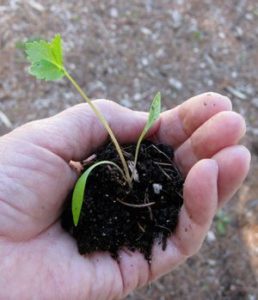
x=154 y=112
x=46 y=58
x=44 y=67
x=79 y=190
x=56 y=46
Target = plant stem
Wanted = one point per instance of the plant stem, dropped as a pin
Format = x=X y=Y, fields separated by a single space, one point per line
x=137 y=153
x=104 y=123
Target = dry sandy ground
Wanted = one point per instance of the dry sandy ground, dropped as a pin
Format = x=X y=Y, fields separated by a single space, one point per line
x=126 y=51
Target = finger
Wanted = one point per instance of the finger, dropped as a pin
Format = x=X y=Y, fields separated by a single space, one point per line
x=76 y=132
x=234 y=164
x=198 y=210
x=35 y=153
x=222 y=130
x=178 y=124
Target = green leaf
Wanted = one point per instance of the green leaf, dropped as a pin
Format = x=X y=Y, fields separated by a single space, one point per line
x=56 y=46
x=21 y=46
x=46 y=58
x=45 y=70
x=154 y=112
x=79 y=190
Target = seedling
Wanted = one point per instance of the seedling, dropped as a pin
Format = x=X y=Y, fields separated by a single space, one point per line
x=47 y=63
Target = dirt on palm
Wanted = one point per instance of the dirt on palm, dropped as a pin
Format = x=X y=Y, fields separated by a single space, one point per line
x=115 y=216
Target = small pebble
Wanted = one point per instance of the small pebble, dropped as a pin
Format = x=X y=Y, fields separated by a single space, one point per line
x=113 y=12
x=176 y=18
x=146 y=30
x=176 y=84
x=212 y=262
x=157 y=187
x=5 y=120
x=211 y=236
x=137 y=97
x=233 y=91
x=144 y=61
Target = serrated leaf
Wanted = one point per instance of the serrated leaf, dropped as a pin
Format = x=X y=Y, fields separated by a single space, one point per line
x=79 y=190
x=46 y=58
x=44 y=67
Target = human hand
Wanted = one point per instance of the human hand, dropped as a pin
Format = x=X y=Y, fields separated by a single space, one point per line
x=38 y=260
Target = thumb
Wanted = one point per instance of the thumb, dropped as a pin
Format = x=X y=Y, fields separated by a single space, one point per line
x=76 y=132
x=34 y=162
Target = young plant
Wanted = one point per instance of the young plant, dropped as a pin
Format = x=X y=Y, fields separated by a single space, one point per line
x=47 y=63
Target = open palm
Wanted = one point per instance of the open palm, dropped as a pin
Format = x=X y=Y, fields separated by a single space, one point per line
x=38 y=260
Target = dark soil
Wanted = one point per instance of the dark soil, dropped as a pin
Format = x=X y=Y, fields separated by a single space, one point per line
x=149 y=210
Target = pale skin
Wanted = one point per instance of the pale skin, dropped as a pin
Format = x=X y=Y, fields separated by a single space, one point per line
x=38 y=260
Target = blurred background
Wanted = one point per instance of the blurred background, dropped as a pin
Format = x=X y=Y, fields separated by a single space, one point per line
x=128 y=50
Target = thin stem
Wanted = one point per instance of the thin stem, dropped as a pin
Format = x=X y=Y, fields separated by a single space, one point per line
x=137 y=152
x=135 y=205
x=104 y=123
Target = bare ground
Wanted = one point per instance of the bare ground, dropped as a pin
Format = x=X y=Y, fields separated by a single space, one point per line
x=126 y=51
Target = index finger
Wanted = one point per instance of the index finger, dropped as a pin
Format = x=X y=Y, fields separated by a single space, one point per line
x=178 y=124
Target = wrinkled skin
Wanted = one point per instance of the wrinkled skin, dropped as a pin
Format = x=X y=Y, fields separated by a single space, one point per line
x=38 y=260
